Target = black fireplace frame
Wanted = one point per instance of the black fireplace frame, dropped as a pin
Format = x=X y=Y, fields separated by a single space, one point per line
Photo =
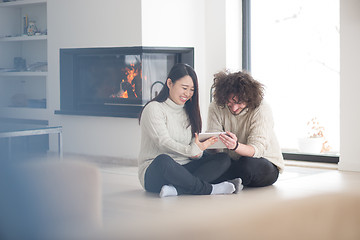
x=68 y=99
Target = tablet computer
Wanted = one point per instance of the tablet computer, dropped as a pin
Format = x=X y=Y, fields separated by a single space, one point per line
x=218 y=144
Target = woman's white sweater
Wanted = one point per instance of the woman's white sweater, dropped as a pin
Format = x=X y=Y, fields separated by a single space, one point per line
x=165 y=129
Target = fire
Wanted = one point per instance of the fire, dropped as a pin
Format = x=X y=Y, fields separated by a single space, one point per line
x=130 y=72
x=129 y=84
x=125 y=95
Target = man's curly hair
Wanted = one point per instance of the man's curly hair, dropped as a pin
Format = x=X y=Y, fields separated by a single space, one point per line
x=240 y=84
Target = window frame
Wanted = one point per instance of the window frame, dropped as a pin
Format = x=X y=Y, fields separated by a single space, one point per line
x=246 y=66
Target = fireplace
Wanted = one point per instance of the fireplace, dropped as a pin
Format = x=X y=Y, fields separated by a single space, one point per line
x=115 y=82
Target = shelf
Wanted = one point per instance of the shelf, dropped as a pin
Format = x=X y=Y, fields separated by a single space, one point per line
x=23 y=74
x=23 y=112
x=22 y=3
x=33 y=83
x=23 y=38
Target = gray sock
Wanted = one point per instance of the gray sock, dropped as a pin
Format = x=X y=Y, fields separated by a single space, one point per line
x=222 y=188
x=168 y=190
x=238 y=184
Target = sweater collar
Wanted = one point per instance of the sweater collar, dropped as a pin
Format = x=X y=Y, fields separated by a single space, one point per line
x=242 y=113
x=173 y=105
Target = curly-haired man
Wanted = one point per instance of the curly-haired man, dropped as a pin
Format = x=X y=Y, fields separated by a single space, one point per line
x=239 y=110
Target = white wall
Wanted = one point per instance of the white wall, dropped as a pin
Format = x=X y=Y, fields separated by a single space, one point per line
x=349 y=85
x=223 y=24
x=82 y=23
x=215 y=52
x=233 y=35
x=203 y=25
x=178 y=23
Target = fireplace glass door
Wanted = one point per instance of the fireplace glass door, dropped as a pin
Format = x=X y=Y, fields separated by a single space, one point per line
x=115 y=81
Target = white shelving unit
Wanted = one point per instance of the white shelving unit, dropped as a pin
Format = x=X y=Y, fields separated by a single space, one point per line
x=23 y=38
x=22 y=3
x=23 y=74
x=23 y=93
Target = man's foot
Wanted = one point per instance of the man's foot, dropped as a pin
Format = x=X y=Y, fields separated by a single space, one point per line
x=238 y=184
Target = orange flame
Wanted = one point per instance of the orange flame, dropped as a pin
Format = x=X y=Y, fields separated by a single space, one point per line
x=130 y=73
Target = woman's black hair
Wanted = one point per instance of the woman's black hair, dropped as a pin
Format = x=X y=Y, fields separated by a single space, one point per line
x=192 y=108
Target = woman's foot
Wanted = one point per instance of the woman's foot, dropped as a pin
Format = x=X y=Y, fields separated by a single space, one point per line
x=223 y=188
x=168 y=190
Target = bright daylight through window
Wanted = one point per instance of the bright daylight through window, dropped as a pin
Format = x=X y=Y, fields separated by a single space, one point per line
x=295 y=52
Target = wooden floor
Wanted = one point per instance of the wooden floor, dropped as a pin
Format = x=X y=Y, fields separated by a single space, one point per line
x=131 y=211
x=103 y=199
x=309 y=201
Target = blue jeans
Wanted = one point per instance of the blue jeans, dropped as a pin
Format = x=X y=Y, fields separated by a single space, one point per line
x=194 y=177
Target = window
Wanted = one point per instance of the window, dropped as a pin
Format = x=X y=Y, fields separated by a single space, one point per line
x=295 y=52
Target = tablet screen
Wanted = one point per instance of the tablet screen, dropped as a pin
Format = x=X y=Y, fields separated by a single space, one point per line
x=218 y=144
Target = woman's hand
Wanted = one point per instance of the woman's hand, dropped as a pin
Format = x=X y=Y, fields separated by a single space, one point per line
x=230 y=140
x=205 y=144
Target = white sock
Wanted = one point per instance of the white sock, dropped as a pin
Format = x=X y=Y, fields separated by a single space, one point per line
x=238 y=184
x=223 y=188
x=168 y=190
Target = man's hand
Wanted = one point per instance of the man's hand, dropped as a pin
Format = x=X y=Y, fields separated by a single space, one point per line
x=231 y=142
x=229 y=139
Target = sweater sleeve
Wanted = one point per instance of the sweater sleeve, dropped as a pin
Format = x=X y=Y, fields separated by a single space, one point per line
x=153 y=120
x=261 y=124
x=214 y=122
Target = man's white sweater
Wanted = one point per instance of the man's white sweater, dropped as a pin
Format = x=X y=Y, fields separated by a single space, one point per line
x=165 y=129
x=255 y=128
